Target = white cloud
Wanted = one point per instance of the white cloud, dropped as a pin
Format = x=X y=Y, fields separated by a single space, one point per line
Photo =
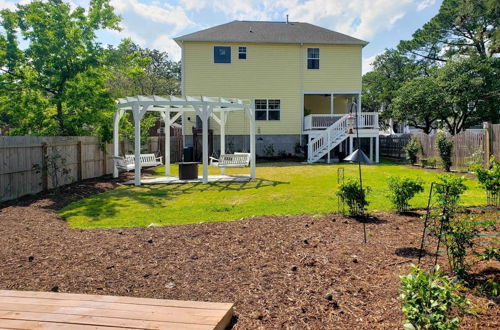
x=367 y=64
x=174 y=16
x=166 y=44
x=424 y=4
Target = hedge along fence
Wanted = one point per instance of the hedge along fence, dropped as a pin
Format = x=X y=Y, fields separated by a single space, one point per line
x=31 y=164
x=470 y=145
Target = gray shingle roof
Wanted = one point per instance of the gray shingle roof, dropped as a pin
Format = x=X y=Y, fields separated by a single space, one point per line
x=272 y=32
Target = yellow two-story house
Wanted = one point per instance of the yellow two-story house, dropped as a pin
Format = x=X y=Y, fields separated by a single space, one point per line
x=303 y=80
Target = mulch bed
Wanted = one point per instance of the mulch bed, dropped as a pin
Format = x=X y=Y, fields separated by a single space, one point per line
x=281 y=271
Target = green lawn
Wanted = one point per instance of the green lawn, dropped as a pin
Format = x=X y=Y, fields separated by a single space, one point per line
x=280 y=188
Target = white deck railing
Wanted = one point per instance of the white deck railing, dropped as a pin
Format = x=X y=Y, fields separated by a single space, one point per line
x=320 y=122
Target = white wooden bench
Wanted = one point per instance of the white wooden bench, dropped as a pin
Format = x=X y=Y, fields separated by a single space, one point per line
x=127 y=163
x=238 y=159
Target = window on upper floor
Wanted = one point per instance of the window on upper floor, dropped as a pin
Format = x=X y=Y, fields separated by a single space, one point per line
x=242 y=53
x=267 y=109
x=222 y=54
x=313 y=58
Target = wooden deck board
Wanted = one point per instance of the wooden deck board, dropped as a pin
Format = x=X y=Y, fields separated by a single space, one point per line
x=47 y=310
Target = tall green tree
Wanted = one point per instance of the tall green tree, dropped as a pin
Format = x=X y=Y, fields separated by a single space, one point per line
x=159 y=75
x=463 y=27
x=420 y=102
x=56 y=84
x=471 y=86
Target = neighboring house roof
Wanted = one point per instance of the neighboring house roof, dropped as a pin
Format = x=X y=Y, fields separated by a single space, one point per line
x=271 y=32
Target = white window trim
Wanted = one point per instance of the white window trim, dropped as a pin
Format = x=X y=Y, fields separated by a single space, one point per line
x=245 y=52
x=313 y=58
x=267 y=108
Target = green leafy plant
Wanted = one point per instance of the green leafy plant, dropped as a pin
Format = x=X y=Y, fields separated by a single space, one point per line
x=490 y=253
x=411 y=149
x=458 y=237
x=445 y=148
x=449 y=189
x=269 y=150
x=402 y=190
x=490 y=180
x=432 y=162
x=456 y=233
x=423 y=163
x=491 y=287
x=355 y=196
x=429 y=298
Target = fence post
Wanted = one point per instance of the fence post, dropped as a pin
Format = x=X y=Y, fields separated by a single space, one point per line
x=487 y=143
x=79 y=160
x=45 y=166
x=104 y=156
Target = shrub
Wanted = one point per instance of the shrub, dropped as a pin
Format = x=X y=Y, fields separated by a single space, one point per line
x=458 y=236
x=423 y=163
x=402 y=190
x=490 y=180
x=269 y=150
x=432 y=162
x=449 y=188
x=445 y=147
x=428 y=299
x=411 y=149
x=354 y=196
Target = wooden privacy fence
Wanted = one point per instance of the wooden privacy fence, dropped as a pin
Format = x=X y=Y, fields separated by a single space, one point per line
x=31 y=164
x=474 y=145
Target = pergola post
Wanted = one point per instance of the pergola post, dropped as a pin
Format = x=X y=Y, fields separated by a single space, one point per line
x=222 y=136
x=251 y=115
x=116 y=138
x=137 y=113
x=166 y=119
x=205 y=113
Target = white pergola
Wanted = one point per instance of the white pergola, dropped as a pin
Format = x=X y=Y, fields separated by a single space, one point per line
x=170 y=109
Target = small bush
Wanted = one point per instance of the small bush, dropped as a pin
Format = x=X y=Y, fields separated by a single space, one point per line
x=428 y=300
x=445 y=148
x=423 y=163
x=458 y=237
x=355 y=197
x=402 y=190
x=449 y=189
x=269 y=150
x=490 y=180
x=411 y=149
x=432 y=162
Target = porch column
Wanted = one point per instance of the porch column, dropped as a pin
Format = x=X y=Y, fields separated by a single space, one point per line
x=371 y=148
x=331 y=103
x=350 y=144
x=377 y=145
x=222 y=136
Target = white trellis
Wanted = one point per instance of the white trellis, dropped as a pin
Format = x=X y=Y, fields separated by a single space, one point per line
x=170 y=109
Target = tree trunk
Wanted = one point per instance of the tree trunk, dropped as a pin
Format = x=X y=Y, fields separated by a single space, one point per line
x=60 y=117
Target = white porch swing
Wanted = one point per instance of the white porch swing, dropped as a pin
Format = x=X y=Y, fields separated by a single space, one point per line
x=173 y=107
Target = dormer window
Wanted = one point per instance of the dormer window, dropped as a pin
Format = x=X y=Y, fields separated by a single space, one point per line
x=222 y=54
x=313 y=58
x=242 y=53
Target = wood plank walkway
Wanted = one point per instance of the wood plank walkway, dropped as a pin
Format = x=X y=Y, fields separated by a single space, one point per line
x=49 y=310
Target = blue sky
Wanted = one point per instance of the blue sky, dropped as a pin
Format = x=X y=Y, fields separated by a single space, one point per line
x=153 y=23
